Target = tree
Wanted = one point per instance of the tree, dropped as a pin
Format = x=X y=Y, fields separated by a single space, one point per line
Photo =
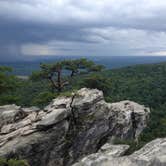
x=98 y=82
x=53 y=73
x=58 y=73
x=8 y=84
x=5 y=79
x=73 y=66
x=82 y=65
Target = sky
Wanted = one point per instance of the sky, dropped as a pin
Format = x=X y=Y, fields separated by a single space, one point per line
x=30 y=28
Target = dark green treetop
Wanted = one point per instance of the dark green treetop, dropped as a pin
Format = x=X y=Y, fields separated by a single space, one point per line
x=59 y=73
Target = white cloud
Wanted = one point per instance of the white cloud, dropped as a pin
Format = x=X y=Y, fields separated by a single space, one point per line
x=160 y=53
x=135 y=41
x=37 y=49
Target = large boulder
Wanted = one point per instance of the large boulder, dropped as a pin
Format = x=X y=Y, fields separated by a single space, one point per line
x=69 y=128
x=152 y=154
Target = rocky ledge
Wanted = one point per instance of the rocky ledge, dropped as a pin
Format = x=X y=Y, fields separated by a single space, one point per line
x=70 y=128
x=152 y=154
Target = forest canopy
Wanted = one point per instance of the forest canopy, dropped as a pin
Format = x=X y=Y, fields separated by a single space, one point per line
x=145 y=84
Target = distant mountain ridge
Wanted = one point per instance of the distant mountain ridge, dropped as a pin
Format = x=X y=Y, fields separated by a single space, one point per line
x=27 y=67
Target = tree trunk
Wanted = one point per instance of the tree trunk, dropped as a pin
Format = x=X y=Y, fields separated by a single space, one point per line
x=72 y=73
x=54 y=86
x=59 y=82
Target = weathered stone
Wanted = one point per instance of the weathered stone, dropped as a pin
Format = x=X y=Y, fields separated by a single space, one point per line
x=153 y=149
x=52 y=118
x=41 y=115
x=10 y=114
x=15 y=126
x=85 y=98
x=58 y=103
x=70 y=128
x=30 y=109
x=122 y=113
x=152 y=154
x=113 y=150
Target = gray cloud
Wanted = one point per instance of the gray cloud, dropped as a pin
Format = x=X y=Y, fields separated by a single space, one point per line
x=109 y=27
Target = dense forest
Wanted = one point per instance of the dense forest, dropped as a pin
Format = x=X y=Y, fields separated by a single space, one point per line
x=145 y=84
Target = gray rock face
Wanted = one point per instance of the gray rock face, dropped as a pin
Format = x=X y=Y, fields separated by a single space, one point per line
x=69 y=128
x=113 y=150
x=52 y=118
x=152 y=154
x=106 y=152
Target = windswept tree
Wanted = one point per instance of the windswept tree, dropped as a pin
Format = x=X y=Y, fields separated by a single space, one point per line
x=59 y=73
x=82 y=65
x=53 y=73
x=72 y=66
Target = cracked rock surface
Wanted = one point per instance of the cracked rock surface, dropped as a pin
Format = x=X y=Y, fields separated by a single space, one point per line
x=69 y=128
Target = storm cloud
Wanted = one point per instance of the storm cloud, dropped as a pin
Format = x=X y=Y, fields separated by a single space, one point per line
x=82 y=27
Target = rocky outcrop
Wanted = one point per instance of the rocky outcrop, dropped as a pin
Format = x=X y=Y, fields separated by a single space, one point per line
x=106 y=153
x=152 y=154
x=69 y=128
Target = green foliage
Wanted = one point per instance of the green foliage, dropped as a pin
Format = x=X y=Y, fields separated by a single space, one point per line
x=5 y=69
x=29 y=91
x=97 y=81
x=8 y=84
x=3 y=162
x=5 y=80
x=8 y=99
x=54 y=72
x=43 y=98
x=13 y=162
x=145 y=84
x=35 y=76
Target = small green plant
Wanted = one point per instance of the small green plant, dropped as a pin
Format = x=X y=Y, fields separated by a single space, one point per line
x=3 y=162
x=13 y=162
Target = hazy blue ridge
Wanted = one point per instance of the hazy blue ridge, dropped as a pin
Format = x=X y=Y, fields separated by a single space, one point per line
x=26 y=67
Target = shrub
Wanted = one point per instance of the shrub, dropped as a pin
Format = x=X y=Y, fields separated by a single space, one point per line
x=13 y=162
x=43 y=98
